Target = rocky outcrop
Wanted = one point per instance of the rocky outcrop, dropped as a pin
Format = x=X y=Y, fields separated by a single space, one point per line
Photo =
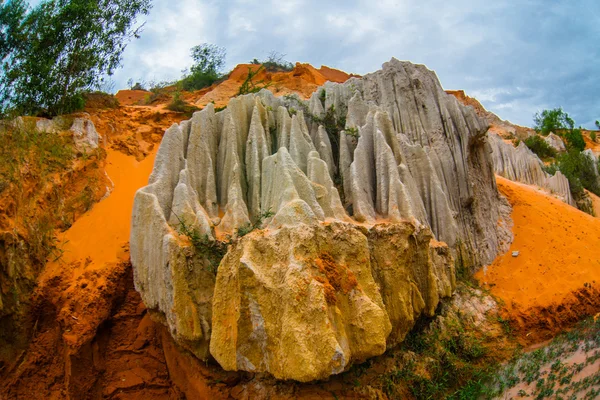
x=520 y=164
x=306 y=302
x=83 y=130
x=354 y=184
x=555 y=142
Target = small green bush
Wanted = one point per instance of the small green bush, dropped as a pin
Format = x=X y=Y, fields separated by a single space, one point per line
x=593 y=136
x=575 y=139
x=579 y=170
x=251 y=86
x=275 y=62
x=178 y=104
x=540 y=147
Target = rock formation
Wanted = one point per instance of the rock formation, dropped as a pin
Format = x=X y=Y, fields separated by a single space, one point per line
x=357 y=186
x=520 y=164
x=555 y=142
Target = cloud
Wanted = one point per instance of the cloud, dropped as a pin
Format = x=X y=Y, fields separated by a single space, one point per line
x=516 y=57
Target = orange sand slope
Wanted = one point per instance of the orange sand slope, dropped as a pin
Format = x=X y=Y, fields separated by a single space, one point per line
x=81 y=284
x=101 y=233
x=559 y=260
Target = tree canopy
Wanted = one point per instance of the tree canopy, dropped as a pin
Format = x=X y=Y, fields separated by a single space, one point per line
x=53 y=52
x=209 y=59
x=552 y=121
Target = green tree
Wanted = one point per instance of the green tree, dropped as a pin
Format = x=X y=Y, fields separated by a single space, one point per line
x=598 y=124
x=209 y=59
x=552 y=121
x=575 y=139
x=12 y=14
x=55 y=51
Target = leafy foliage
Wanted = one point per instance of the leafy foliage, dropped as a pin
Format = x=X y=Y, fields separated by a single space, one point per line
x=457 y=366
x=54 y=52
x=540 y=147
x=258 y=222
x=212 y=250
x=579 y=170
x=249 y=85
x=552 y=121
x=209 y=59
x=574 y=139
x=553 y=371
x=593 y=136
x=178 y=104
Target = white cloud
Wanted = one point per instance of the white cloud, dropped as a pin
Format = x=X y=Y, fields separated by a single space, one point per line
x=486 y=48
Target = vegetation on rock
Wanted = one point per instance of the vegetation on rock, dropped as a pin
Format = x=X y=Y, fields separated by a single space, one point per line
x=249 y=85
x=178 y=104
x=540 y=147
x=275 y=62
x=580 y=170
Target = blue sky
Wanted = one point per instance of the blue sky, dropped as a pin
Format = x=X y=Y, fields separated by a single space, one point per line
x=516 y=57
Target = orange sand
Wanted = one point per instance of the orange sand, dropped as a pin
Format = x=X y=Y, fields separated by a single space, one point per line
x=559 y=253
x=589 y=144
x=131 y=97
x=595 y=203
x=101 y=233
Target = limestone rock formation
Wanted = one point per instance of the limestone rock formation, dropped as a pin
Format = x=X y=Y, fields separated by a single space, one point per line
x=305 y=302
x=82 y=129
x=555 y=142
x=357 y=185
x=520 y=164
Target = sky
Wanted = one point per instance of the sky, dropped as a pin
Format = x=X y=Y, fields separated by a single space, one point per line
x=516 y=57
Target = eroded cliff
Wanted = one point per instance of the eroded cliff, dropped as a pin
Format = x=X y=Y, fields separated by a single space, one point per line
x=354 y=186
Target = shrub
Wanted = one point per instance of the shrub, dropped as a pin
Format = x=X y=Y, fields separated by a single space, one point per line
x=593 y=136
x=552 y=121
x=157 y=92
x=249 y=85
x=575 y=139
x=178 y=104
x=275 y=62
x=209 y=59
x=579 y=170
x=540 y=147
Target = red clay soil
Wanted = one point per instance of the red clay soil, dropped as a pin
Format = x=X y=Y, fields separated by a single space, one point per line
x=462 y=97
x=555 y=280
x=303 y=80
x=92 y=336
x=131 y=97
